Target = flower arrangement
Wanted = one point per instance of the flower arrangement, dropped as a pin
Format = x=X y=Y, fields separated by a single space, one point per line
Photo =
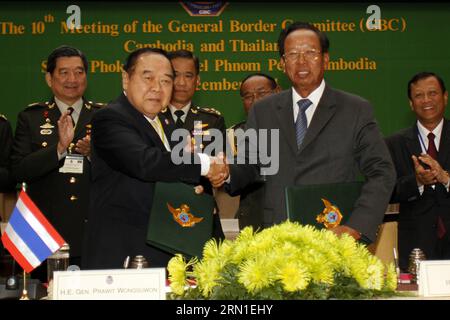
x=286 y=261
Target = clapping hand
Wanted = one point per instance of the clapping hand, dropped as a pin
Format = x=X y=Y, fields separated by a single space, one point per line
x=83 y=146
x=428 y=170
x=65 y=132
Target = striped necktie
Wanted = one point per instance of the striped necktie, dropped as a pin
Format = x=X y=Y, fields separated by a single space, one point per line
x=301 y=124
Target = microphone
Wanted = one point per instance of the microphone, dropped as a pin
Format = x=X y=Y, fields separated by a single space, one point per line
x=73 y=267
x=11 y=282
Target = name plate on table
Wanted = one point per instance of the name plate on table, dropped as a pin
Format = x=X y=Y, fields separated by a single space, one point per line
x=114 y=284
x=434 y=278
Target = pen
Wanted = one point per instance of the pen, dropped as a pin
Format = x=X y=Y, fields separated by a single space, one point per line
x=397 y=267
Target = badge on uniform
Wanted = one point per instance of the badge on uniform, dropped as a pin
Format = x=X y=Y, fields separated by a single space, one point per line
x=46 y=132
x=73 y=163
x=47 y=127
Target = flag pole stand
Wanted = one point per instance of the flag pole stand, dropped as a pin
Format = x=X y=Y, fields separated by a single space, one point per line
x=24 y=291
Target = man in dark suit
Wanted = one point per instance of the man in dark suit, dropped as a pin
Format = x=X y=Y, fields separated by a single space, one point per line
x=48 y=136
x=421 y=158
x=325 y=136
x=253 y=88
x=131 y=150
x=6 y=140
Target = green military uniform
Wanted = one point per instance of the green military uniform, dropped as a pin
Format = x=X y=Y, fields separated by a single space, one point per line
x=62 y=197
x=6 y=140
x=211 y=119
x=250 y=209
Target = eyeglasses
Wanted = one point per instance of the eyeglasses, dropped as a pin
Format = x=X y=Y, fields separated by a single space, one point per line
x=255 y=95
x=308 y=55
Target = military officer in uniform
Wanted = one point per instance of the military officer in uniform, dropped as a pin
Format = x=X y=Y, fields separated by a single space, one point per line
x=181 y=110
x=5 y=147
x=253 y=88
x=185 y=115
x=52 y=146
x=6 y=140
x=6 y=182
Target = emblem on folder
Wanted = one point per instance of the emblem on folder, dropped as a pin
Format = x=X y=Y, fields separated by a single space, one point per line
x=331 y=216
x=183 y=216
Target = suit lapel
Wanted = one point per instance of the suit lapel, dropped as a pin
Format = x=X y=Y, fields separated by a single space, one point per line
x=53 y=114
x=143 y=124
x=167 y=115
x=285 y=116
x=189 y=121
x=168 y=126
x=444 y=144
x=83 y=120
x=412 y=141
x=324 y=111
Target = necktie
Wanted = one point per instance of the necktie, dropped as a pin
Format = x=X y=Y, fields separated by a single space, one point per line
x=70 y=109
x=432 y=151
x=179 y=122
x=156 y=124
x=301 y=123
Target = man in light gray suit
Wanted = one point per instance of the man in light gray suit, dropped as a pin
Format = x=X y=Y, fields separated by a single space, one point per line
x=326 y=136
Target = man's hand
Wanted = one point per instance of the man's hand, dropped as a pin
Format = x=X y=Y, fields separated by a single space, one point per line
x=65 y=132
x=423 y=176
x=199 y=189
x=339 y=230
x=83 y=146
x=218 y=171
x=439 y=174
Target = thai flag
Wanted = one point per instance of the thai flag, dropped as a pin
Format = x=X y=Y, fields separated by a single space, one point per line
x=28 y=236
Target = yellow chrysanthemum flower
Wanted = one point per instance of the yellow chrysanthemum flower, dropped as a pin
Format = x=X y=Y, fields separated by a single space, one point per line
x=375 y=274
x=177 y=273
x=288 y=254
x=293 y=276
x=391 y=277
x=207 y=274
x=320 y=269
x=211 y=249
x=255 y=275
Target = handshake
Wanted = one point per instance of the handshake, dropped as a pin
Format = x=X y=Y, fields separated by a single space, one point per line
x=219 y=170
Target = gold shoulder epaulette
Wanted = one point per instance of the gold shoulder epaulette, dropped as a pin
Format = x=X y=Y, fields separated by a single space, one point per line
x=97 y=104
x=38 y=104
x=2 y=116
x=210 y=110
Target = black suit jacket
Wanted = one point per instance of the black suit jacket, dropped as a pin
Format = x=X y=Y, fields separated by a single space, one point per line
x=250 y=204
x=62 y=197
x=342 y=142
x=6 y=141
x=418 y=213
x=128 y=157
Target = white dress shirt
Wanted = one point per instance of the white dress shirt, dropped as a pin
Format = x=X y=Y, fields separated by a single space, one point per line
x=424 y=142
x=185 y=109
x=314 y=97
x=77 y=106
